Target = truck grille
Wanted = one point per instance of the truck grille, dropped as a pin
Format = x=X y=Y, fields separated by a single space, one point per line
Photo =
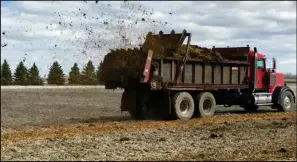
x=272 y=79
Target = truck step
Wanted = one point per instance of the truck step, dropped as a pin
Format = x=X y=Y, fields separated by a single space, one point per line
x=265 y=104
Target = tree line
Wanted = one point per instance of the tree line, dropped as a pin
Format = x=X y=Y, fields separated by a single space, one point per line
x=290 y=76
x=23 y=76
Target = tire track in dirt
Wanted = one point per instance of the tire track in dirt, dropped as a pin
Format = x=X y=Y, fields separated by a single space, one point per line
x=68 y=131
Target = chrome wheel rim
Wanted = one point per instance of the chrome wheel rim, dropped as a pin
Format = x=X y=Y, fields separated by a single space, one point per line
x=287 y=102
x=184 y=106
x=207 y=105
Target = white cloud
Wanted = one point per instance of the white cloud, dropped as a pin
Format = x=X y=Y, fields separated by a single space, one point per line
x=33 y=28
x=290 y=61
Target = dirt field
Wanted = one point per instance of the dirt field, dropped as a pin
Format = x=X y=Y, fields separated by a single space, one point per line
x=49 y=106
x=57 y=105
x=86 y=124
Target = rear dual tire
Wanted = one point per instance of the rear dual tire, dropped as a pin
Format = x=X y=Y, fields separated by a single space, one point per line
x=206 y=105
x=184 y=105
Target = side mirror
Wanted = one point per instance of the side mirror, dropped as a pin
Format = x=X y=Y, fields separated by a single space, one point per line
x=274 y=64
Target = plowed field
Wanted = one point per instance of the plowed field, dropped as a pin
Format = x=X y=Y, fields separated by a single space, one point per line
x=86 y=124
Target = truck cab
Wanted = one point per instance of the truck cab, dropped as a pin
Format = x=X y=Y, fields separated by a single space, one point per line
x=262 y=74
x=267 y=85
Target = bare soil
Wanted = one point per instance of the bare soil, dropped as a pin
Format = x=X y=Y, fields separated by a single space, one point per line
x=51 y=106
x=21 y=107
x=86 y=124
x=254 y=139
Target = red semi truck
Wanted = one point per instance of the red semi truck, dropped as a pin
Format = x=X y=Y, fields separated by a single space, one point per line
x=186 y=88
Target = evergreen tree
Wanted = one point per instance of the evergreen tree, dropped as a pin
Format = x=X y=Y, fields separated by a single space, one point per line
x=56 y=75
x=33 y=76
x=99 y=73
x=74 y=75
x=6 y=78
x=89 y=74
x=21 y=75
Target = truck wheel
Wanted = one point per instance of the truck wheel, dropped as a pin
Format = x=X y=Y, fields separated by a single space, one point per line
x=206 y=105
x=183 y=104
x=287 y=102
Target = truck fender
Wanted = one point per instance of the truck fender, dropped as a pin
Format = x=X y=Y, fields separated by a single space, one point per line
x=278 y=92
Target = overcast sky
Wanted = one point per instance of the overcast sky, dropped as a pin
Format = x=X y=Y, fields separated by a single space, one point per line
x=69 y=32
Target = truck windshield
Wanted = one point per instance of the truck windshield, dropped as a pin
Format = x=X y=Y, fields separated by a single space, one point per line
x=260 y=64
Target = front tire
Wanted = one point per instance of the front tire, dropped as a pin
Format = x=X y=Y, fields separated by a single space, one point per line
x=206 y=105
x=287 y=102
x=183 y=105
